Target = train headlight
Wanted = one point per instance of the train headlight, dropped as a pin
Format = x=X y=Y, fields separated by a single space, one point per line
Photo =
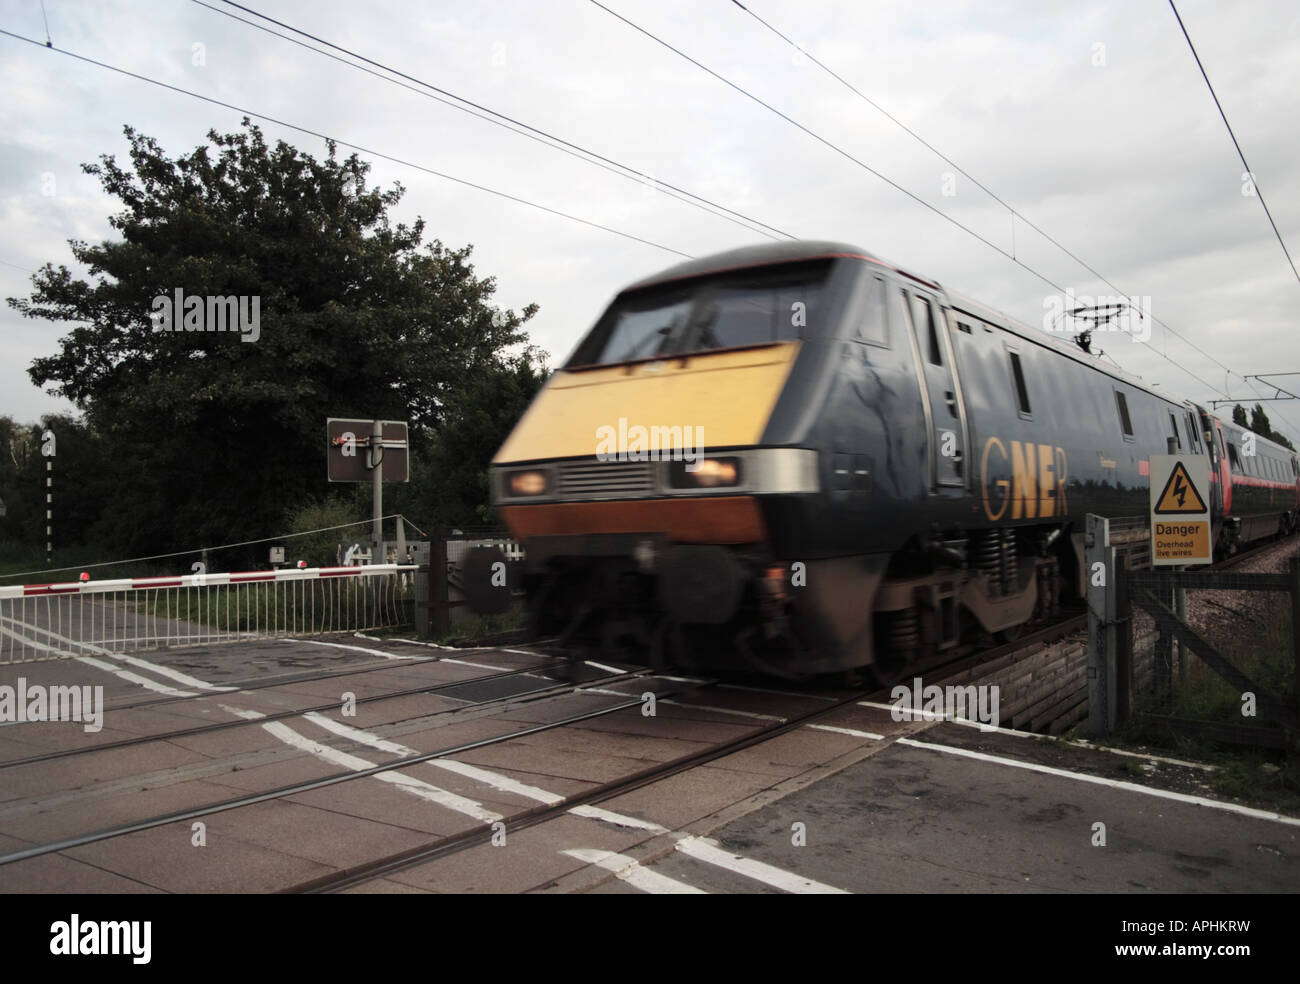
x=708 y=473
x=531 y=481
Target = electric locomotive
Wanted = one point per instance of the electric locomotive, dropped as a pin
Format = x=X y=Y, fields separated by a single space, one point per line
x=801 y=458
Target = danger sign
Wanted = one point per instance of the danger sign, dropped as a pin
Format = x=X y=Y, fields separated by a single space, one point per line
x=1180 y=514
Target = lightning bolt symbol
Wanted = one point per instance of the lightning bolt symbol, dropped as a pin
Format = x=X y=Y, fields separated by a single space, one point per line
x=1180 y=490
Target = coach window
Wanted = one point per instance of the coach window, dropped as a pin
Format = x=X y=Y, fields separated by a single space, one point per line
x=1126 y=425
x=1232 y=457
x=873 y=318
x=1018 y=381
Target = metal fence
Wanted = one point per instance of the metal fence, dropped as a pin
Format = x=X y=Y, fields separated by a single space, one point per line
x=1233 y=679
x=77 y=618
x=1229 y=672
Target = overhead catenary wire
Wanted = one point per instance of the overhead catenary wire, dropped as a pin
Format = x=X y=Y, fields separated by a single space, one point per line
x=1251 y=174
x=195 y=551
x=500 y=119
x=1014 y=212
x=353 y=146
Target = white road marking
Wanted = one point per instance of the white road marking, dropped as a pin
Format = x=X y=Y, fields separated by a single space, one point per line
x=617 y=819
x=477 y=666
x=906 y=713
x=706 y=849
x=418 y=642
x=241 y=712
x=726 y=710
x=849 y=731
x=31 y=642
x=497 y=781
x=359 y=736
x=135 y=678
x=408 y=784
x=356 y=649
x=167 y=671
x=1132 y=787
x=136 y=661
x=493 y=779
x=1078 y=743
x=966 y=722
x=630 y=870
x=602 y=666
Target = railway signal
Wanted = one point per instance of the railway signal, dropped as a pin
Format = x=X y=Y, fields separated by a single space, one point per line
x=374 y=451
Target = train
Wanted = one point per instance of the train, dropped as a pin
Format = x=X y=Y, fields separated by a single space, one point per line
x=802 y=459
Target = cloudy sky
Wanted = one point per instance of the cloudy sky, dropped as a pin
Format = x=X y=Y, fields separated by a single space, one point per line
x=1090 y=120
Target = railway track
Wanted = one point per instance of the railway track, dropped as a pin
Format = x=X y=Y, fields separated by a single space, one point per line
x=431 y=689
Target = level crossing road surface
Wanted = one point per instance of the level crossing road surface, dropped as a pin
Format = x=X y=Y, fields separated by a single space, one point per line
x=855 y=802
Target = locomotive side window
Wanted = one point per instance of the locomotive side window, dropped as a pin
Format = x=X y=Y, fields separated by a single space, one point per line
x=873 y=322
x=1173 y=429
x=1191 y=432
x=923 y=318
x=1018 y=377
x=1126 y=425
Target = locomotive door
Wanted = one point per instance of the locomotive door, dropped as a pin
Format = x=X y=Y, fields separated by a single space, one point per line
x=945 y=416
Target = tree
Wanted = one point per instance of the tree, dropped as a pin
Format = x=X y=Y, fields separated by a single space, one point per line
x=1239 y=416
x=214 y=436
x=1259 y=422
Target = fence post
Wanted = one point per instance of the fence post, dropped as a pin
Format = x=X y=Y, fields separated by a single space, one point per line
x=438 y=607
x=1123 y=644
x=1295 y=640
x=1101 y=625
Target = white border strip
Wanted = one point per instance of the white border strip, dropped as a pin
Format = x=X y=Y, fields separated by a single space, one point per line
x=1245 y=811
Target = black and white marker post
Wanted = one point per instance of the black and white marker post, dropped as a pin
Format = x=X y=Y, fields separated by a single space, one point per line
x=47 y=449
